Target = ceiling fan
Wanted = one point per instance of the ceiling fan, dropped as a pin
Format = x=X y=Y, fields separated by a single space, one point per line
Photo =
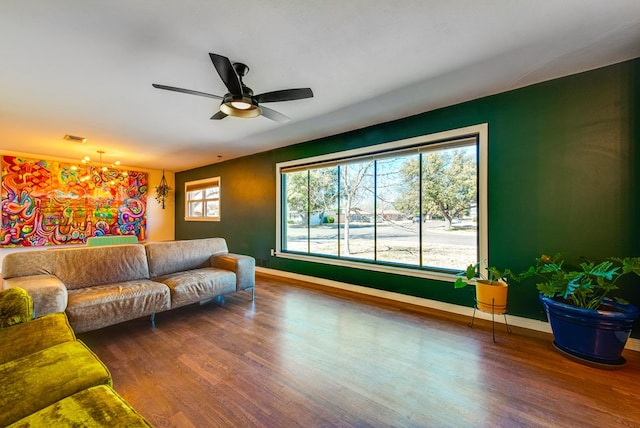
x=240 y=101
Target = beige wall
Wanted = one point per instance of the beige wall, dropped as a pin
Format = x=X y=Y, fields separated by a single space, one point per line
x=160 y=222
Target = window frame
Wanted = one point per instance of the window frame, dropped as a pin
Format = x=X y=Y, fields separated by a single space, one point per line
x=479 y=131
x=206 y=183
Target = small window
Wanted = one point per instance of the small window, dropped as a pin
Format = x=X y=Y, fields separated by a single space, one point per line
x=202 y=201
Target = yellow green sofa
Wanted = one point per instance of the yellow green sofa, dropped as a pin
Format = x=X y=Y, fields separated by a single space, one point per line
x=48 y=377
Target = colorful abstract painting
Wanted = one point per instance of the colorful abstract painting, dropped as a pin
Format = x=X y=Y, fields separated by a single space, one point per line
x=48 y=202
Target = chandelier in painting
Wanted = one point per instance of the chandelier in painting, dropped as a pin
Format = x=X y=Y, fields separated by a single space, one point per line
x=100 y=172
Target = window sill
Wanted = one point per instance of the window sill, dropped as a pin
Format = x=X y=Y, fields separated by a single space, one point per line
x=202 y=219
x=398 y=270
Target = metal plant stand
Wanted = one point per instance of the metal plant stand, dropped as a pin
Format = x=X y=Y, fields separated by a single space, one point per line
x=502 y=309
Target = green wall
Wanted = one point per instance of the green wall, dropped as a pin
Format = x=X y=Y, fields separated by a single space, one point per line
x=563 y=177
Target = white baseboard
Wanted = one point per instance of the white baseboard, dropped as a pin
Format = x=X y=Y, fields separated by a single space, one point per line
x=531 y=324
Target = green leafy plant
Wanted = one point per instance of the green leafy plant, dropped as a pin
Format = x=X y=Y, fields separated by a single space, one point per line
x=162 y=190
x=585 y=285
x=492 y=276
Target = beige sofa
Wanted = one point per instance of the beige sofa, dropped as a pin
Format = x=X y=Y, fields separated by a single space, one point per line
x=105 y=285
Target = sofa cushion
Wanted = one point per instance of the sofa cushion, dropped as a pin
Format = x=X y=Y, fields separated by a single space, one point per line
x=38 y=380
x=49 y=294
x=198 y=284
x=15 y=307
x=33 y=336
x=91 y=308
x=81 y=266
x=176 y=256
x=98 y=406
x=89 y=266
x=24 y=263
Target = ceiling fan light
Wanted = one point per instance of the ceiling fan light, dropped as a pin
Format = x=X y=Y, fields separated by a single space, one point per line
x=240 y=106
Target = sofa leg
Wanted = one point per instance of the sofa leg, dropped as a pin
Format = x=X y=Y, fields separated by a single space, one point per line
x=253 y=293
x=153 y=320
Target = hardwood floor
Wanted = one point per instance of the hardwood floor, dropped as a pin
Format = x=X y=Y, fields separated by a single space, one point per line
x=303 y=356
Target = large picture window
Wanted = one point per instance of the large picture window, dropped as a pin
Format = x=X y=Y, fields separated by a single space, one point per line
x=416 y=205
x=202 y=201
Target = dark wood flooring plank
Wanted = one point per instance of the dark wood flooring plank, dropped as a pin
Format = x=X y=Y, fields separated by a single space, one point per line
x=300 y=355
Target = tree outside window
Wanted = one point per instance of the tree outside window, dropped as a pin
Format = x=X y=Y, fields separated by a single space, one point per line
x=414 y=207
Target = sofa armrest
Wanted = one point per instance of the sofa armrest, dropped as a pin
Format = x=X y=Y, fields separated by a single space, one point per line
x=16 y=307
x=49 y=294
x=243 y=266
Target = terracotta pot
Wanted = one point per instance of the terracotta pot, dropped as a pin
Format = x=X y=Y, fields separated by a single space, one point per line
x=491 y=296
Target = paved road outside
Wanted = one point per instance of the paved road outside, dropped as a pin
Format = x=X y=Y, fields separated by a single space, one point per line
x=397 y=241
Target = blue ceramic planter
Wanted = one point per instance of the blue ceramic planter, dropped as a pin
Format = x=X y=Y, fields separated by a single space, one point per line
x=592 y=335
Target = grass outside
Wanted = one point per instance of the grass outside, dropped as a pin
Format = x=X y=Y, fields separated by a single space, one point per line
x=398 y=242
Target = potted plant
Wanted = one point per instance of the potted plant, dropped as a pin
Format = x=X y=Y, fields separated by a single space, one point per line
x=587 y=323
x=162 y=190
x=491 y=289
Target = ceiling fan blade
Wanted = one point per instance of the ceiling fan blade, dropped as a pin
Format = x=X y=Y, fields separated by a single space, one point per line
x=274 y=115
x=227 y=73
x=219 y=115
x=284 y=95
x=186 y=91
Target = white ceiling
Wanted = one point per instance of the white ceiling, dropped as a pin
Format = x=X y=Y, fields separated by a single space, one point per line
x=85 y=67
